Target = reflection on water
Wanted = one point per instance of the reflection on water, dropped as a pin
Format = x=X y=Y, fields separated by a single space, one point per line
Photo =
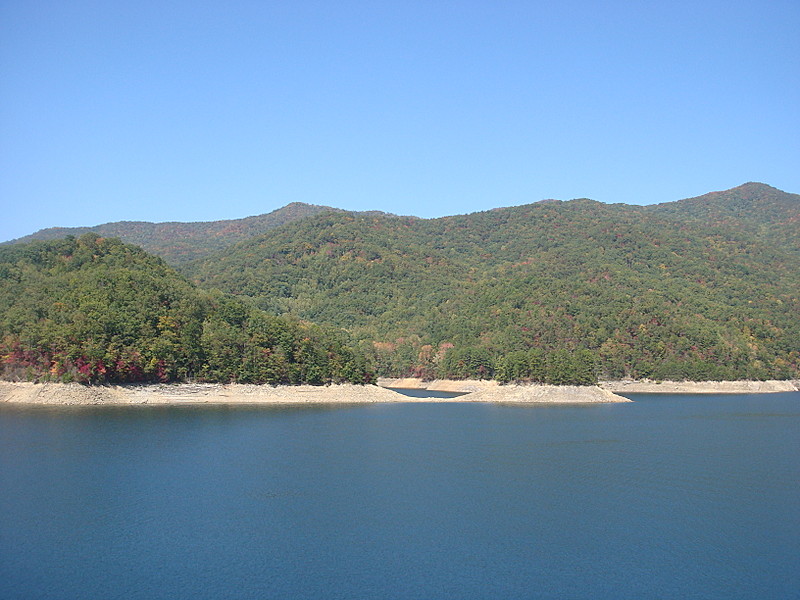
x=670 y=496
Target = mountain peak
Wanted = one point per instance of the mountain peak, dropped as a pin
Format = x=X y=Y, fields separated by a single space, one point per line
x=751 y=204
x=750 y=192
x=753 y=188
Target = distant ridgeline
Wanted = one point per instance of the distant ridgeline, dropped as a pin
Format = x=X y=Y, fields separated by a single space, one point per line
x=98 y=310
x=557 y=292
x=178 y=243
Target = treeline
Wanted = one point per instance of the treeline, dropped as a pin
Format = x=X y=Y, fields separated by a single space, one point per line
x=581 y=366
x=181 y=242
x=559 y=367
x=96 y=310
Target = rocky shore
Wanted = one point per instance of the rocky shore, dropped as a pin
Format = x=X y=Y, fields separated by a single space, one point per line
x=545 y=393
x=189 y=393
x=644 y=386
x=66 y=394
x=701 y=387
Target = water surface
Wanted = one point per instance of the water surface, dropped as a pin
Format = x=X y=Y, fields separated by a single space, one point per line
x=668 y=497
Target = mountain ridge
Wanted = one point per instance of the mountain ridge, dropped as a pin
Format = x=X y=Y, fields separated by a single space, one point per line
x=180 y=242
x=647 y=292
x=706 y=288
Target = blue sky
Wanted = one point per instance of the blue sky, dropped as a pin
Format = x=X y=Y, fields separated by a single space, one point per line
x=191 y=111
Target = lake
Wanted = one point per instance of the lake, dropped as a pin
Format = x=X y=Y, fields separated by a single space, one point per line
x=673 y=496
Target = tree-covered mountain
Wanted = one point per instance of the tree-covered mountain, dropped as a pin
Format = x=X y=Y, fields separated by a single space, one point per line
x=706 y=288
x=762 y=210
x=178 y=242
x=558 y=292
x=94 y=309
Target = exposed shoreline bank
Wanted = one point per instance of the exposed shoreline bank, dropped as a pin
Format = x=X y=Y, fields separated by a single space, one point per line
x=644 y=386
x=68 y=394
x=463 y=386
x=701 y=387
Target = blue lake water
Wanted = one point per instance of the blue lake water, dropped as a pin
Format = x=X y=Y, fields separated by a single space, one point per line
x=668 y=497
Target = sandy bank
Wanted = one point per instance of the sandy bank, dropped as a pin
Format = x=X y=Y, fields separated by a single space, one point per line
x=700 y=387
x=491 y=391
x=184 y=393
x=65 y=394
x=546 y=393
x=642 y=386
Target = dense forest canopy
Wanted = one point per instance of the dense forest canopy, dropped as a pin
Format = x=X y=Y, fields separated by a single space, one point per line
x=94 y=309
x=556 y=292
x=759 y=209
x=638 y=291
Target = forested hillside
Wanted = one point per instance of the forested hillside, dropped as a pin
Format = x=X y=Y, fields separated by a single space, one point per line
x=98 y=310
x=556 y=292
x=762 y=210
x=178 y=243
x=706 y=288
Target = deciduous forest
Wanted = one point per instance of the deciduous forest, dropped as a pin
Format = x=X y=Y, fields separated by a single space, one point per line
x=96 y=310
x=706 y=288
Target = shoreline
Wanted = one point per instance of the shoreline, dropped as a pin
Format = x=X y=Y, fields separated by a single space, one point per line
x=640 y=386
x=74 y=394
x=646 y=386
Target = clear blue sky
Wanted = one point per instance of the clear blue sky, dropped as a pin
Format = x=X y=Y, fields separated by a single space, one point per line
x=193 y=110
